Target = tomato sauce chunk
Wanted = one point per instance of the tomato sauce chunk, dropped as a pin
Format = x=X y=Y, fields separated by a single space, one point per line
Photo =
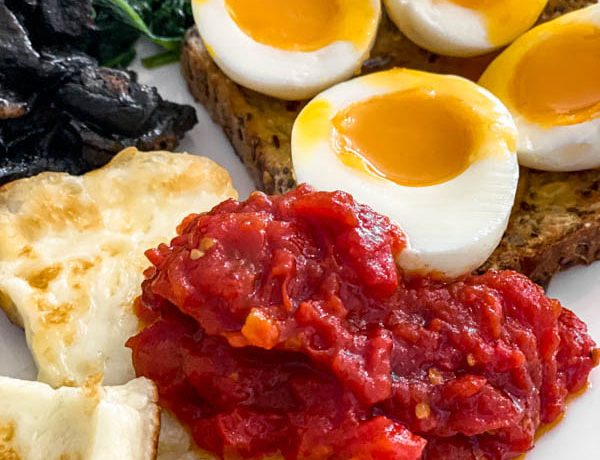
x=282 y=326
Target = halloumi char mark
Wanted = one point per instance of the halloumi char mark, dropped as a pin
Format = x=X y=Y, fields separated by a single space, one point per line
x=86 y=423
x=72 y=255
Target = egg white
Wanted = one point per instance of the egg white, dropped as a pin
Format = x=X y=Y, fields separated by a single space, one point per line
x=443 y=27
x=558 y=148
x=452 y=227
x=289 y=75
x=549 y=148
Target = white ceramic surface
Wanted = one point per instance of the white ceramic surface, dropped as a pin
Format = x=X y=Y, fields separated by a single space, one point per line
x=576 y=437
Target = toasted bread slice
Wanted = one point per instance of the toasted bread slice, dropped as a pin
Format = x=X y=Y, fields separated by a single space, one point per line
x=544 y=235
x=88 y=423
x=72 y=254
x=554 y=225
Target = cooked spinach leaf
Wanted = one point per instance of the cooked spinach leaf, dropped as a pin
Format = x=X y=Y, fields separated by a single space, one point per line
x=120 y=23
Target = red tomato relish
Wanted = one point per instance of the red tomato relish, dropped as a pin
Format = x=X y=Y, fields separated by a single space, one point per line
x=281 y=324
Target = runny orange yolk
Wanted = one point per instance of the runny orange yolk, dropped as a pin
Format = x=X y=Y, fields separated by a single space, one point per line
x=557 y=81
x=304 y=25
x=505 y=19
x=414 y=138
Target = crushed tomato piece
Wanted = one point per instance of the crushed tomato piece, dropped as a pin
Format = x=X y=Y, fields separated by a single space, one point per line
x=295 y=333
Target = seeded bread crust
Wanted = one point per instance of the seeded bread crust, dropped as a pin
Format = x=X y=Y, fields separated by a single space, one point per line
x=556 y=220
x=554 y=225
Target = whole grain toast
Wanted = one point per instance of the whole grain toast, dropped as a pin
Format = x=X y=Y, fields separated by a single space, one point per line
x=555 y=223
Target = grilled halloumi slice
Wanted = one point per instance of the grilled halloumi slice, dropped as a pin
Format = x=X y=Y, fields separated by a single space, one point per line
x=72 y=255
x=72 y=262
x=175 y=443
x=87 y=423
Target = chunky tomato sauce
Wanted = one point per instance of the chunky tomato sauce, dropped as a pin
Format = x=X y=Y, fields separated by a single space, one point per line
x=282 y=325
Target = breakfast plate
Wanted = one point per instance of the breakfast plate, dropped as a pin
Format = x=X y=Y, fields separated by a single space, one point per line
x=578 y=288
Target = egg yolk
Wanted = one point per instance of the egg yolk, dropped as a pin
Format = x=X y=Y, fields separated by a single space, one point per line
x=505 y=19
x=304 y=25
x=557 y=81
x=415 y=137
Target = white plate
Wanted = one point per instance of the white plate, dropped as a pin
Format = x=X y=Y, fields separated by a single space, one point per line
x=576 y=437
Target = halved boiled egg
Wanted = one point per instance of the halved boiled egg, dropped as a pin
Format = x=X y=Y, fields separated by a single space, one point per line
x=435 y=153
x=288 y=49
x=550 y=81
x=463 y=27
